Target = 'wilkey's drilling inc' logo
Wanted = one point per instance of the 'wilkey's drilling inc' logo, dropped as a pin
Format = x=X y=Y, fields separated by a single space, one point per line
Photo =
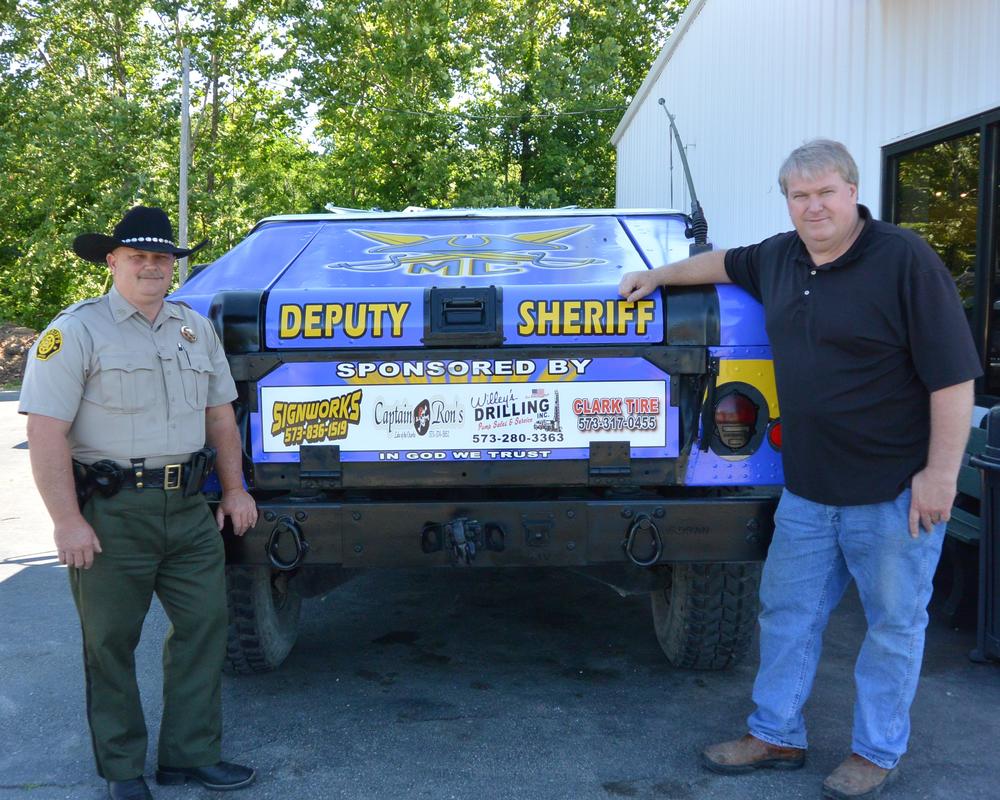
x=467 y=255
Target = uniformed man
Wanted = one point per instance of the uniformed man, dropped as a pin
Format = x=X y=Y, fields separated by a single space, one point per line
x=122 y=393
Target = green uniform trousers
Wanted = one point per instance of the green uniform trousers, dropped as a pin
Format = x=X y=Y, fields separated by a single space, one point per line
x=153 y=541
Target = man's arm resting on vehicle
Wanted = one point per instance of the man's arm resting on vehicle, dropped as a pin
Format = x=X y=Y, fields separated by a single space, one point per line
x=52 y=468
x=935 y=486
x=222 y=434
x=707 y=267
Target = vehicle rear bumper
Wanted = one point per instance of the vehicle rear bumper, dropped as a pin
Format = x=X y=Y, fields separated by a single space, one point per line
x=561 y=532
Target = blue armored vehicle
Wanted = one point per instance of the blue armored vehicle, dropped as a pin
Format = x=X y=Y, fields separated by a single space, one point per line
x=466 y=389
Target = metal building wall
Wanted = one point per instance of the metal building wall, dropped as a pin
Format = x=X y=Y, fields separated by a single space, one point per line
x=750 y=81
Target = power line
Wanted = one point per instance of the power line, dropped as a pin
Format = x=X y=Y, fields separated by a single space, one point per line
x=466 y=115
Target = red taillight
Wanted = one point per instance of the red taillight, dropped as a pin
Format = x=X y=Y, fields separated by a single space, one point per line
x=735 y=419
x=774 y=434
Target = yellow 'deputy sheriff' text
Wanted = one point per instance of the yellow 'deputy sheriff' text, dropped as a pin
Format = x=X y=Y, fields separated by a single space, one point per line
x=584 y=317
x=319 y=320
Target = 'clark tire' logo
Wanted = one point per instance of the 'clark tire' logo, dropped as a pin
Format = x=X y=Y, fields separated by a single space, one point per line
x=49 y=345
x=468 y=255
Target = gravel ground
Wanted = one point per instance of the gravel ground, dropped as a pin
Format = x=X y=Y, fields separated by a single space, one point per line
x=14 y=344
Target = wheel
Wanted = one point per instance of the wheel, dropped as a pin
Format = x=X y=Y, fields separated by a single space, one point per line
x=705 y=617
x=263 y=619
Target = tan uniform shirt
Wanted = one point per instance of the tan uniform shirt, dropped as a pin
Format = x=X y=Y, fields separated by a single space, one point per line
x=131 y=389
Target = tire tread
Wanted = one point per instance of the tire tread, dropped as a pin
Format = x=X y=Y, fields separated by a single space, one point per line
x=706 y=618
x=259 y=636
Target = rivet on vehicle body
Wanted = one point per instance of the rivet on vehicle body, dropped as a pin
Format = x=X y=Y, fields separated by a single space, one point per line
x=356 y=516
x=571 y=545
x=659 y=512
x=628 y=513
x=570 y=513
x=301 y=516
x=358 y=548
x=270 y=516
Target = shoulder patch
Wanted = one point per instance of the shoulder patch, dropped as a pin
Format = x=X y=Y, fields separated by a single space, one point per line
x=49 y=344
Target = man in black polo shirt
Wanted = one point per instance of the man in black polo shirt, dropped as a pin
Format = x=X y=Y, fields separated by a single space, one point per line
x=875 y=365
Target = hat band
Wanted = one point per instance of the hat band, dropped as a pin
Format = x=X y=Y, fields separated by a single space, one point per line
x=147 y=239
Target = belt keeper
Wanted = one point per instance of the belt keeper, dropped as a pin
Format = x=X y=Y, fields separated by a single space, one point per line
x=138 y=469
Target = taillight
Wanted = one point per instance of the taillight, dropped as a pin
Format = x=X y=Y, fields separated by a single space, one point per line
x=774 y=434
x=735 y=420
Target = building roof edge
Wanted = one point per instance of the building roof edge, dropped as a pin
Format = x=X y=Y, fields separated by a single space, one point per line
x=687 y=18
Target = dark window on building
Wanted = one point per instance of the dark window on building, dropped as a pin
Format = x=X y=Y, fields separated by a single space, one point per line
x=944 y=185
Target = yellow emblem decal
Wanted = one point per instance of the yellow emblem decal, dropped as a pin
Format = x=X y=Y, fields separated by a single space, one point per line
x=188 y=334
x=49 y=345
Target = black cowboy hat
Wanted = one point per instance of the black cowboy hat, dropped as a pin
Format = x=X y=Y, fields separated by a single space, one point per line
x=142 y=228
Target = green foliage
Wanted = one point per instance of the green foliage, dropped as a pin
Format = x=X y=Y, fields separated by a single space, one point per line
x=937 y=196
x=297 y=104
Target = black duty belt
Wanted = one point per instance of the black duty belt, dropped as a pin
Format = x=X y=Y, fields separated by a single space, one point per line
x=169 y=478
x=106 y=478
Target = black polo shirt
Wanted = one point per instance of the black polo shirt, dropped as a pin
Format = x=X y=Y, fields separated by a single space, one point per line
x=858 y=345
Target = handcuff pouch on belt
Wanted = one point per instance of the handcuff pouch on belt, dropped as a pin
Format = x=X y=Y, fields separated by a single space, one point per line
x=104 y=477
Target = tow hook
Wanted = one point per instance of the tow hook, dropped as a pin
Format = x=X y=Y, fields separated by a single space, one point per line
x=460 y=535
x=289 y=526
x=463 y=537
x=643 y=525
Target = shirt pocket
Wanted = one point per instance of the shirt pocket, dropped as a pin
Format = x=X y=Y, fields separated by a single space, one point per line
x=196 y=370
x=126 y=383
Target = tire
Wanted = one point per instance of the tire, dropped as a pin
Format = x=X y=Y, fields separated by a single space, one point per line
x=263 y=619
x=706 y=617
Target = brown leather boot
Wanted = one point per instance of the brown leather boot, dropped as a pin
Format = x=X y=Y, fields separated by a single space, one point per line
x=750 y=753
x=857 y=778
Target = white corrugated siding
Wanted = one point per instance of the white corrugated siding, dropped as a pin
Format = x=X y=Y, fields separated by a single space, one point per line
x=750 y=81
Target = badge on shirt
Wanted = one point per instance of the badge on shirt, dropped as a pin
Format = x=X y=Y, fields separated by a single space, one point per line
x=188 y=334
x=49 y=345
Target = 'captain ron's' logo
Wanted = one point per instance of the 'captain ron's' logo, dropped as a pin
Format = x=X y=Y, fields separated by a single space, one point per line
x=467 y=255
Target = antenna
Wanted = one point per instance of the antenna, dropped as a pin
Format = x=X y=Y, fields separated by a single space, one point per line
x=697 y=227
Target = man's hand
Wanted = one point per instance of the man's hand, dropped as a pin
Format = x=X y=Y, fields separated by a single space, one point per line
x=931 y=498
x=934 y=487
x=239 y=506
x=703 y=268
x=636 y=285
x=76 y=543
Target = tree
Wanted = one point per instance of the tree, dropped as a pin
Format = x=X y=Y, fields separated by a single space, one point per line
x=298 y=104
x=474 y=102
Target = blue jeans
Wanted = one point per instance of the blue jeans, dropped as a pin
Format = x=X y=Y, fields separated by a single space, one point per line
x=815 y=552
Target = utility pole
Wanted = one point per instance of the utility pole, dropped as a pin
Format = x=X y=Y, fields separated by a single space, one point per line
x=182 y=214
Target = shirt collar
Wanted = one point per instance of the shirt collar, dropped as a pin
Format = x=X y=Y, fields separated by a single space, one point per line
x=853 y=251
x=122 y=309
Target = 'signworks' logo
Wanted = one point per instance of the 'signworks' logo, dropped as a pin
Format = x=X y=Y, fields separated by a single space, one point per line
x=315 y=421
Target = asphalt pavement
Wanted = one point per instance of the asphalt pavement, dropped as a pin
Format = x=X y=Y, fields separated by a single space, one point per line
x=461 y=684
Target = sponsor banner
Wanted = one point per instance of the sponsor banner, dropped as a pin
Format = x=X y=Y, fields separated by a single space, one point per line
x=490 y=409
